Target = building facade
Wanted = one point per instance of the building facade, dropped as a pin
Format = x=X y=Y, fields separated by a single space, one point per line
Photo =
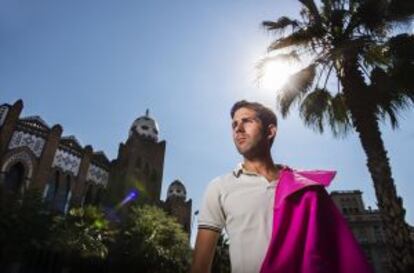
x=366 y=225
x=38 y=156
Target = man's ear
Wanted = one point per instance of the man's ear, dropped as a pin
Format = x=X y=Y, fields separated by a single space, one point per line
x=271 y=131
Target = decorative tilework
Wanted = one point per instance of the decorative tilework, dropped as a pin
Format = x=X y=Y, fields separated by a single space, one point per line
x=4 y=109
x=67 y=161
x=97 y=175
x=22 y=139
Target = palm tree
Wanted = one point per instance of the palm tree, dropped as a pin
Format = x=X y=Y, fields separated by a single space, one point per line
x=358 y=43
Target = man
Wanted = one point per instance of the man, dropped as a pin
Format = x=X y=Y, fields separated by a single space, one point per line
x=277 y=219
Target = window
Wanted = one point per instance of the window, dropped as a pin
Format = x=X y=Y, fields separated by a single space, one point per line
x=15 y=178
x=52 y=188
x=62 y=194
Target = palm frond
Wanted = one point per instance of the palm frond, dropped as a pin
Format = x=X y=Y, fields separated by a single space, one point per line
x=371 y=14
x=280 y=24
x=389 y=99
x=320 y=109
x=336 y=53
x=301 y=37
x=297 y=85
x=375 y=54
x=313 y=109
x=401 y=10
x=339 y=116
x=290 y=57
x=401 y=46
x=401 y=54
x=313 y=10
x=337 y=19
x=402 y=74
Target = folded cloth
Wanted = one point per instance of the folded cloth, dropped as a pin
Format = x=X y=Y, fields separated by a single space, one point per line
x=309 y=233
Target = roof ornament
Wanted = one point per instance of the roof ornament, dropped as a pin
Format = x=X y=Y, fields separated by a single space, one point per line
x=145 y=126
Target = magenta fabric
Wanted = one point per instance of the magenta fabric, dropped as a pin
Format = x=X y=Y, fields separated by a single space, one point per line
x=309 y=233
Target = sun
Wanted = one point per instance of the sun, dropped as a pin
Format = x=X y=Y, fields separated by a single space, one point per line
x=276 y=74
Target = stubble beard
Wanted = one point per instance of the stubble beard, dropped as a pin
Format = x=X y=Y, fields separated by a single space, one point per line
x=254 y=150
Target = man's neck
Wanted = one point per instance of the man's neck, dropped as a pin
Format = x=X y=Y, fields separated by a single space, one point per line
x=263 y=166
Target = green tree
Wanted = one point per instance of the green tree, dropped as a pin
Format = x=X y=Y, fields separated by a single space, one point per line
x=221 y=261
x=360 y=44
x=83 y=232
x=151 y=241
x=24 y=226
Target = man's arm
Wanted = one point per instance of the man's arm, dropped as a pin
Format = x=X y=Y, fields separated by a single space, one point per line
x=204 y=250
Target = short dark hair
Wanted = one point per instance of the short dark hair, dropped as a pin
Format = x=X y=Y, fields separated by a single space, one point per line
x=266 y=115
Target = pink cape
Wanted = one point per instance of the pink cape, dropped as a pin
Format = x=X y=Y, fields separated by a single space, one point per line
x=309 y=233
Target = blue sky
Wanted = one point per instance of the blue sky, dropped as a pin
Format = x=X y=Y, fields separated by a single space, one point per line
x=94 y=66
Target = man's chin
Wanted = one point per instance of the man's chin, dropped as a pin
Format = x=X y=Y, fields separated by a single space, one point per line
x=246 y=153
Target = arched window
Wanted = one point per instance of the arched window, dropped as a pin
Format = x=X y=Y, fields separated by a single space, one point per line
x=15 y=178
x=52 y=188
x=68 y=194
x=62 y=194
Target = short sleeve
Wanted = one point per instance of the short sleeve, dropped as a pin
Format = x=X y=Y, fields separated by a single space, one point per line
x=211 y=214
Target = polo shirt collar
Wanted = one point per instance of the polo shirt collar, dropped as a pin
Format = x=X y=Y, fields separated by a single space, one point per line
x=240 y=169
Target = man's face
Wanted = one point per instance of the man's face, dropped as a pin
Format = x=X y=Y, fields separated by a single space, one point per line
x=248 y=132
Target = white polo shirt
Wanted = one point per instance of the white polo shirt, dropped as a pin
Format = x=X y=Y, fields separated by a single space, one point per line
x=242 y=203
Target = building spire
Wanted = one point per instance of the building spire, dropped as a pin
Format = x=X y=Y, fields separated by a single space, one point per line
x=147 y=112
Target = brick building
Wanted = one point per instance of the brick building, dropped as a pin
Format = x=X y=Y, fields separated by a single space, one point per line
x=36 y=155
x=366 y=225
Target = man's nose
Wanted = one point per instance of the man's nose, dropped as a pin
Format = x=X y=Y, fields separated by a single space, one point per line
x=239 y=127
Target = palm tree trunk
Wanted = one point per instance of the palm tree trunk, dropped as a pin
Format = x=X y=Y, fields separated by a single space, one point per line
x=365 y=122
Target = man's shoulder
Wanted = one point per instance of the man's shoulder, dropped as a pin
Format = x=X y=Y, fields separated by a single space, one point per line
x=222 y=179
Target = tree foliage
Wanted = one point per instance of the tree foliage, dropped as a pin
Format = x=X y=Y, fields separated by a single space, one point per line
x=24 y=223
x=151 y=241
x=221 y=261
x=328 y=35
x=82 y=231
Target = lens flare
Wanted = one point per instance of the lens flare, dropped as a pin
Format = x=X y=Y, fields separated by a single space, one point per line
x=131 y=196
x=111 y=214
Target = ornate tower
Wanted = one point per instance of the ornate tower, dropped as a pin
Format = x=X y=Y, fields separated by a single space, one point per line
x=140 y=162
x=177 y=204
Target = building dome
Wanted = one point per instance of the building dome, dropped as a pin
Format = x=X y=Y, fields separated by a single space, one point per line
x=145 y=126
x=177 y=189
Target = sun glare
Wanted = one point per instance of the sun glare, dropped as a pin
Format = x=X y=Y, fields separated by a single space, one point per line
x=276 y=74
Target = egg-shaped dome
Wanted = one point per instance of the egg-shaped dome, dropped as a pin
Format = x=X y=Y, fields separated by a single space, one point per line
x=145 y=126
x=177 y=189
